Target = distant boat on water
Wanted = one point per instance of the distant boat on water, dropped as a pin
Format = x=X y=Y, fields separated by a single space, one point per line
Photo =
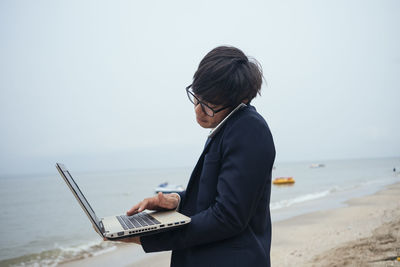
x=317 y=165
x=283 y=180
x=167 y=188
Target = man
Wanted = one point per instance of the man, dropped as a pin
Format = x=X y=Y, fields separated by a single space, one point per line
x=228 y=193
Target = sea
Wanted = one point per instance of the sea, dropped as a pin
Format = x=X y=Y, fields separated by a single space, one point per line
x=41 y=223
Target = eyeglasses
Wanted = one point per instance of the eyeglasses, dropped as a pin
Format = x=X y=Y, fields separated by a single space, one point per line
x=206 y=108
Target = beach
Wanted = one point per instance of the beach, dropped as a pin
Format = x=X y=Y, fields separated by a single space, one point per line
x=365 y=232
x=317 y=193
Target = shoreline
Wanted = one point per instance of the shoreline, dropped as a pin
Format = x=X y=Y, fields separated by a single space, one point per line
x=313 y=239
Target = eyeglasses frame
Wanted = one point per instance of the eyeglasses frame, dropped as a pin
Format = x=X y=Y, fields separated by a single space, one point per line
x=202 y=104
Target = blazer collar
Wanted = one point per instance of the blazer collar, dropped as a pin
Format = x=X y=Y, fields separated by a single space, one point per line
x=210 y=138
x=219 y=126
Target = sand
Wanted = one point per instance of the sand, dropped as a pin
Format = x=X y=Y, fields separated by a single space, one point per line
x=366 y=232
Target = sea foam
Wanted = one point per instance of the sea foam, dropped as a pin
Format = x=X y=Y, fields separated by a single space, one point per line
x=61 y=254
x=299 y=199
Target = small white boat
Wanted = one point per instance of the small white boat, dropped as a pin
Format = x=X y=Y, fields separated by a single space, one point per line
x=169 y=188
x=317 y=165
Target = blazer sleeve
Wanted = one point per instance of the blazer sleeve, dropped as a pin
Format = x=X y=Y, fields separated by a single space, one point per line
x=182 y=197
x=247 y=158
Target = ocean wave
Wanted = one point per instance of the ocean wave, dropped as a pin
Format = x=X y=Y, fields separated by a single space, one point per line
x=334 y=190
x=303 y=198
x=61 y=254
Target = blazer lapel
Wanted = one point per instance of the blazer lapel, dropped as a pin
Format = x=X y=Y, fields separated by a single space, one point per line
x=207 y=143
x=199 y=165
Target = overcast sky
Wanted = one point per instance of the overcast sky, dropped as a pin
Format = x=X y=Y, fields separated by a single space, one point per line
x=99 y=85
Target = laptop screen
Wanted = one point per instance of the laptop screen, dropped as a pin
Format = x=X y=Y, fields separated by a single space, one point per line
x=77 y=192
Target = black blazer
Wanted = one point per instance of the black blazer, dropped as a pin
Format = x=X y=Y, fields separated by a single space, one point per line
x=227 y=198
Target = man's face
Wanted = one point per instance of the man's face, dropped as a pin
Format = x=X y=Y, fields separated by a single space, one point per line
x=206 y=121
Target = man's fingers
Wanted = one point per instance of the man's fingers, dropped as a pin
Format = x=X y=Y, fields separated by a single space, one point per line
x=156 y=202
x=143 y=205
x=134 y=239
x=133 y=210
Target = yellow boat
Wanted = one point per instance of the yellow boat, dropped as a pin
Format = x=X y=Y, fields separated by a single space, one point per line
x=284 y=180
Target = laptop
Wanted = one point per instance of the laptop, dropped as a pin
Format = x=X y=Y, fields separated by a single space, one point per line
x=118 y=227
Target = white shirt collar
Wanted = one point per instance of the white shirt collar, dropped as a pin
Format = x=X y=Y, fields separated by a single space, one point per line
x=216 y=129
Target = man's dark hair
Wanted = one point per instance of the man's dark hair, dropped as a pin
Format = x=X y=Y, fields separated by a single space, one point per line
x=225 y=76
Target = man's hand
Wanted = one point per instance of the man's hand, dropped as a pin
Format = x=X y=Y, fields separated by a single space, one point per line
x=133 y=239
x=159 y=202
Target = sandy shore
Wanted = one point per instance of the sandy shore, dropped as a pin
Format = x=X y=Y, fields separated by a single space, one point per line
x=364 y=233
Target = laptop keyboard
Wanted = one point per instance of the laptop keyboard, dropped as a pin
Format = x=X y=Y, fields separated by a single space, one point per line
x=137 y=220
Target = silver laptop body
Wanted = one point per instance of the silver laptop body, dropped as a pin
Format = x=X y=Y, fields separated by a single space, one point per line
x=117 y=227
